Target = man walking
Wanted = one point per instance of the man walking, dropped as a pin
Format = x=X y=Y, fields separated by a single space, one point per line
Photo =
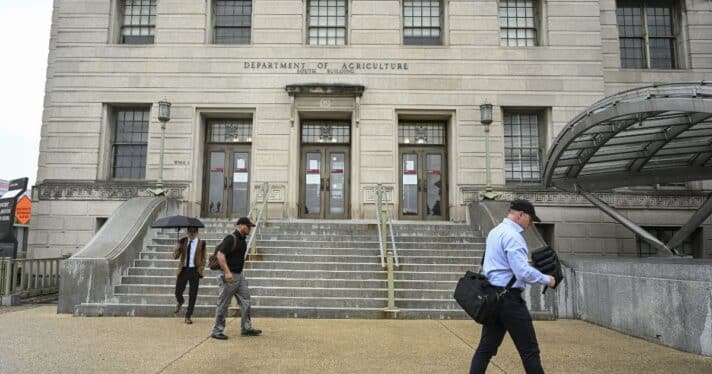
x=191 y=251
x=231 y=257
x=506 y=265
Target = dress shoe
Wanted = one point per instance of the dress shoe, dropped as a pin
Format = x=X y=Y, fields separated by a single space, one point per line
x=188 y=321
x=219 y=336
x=252 y=332
x=178 y=305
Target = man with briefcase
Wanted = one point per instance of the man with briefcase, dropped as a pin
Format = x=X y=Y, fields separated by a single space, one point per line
x=507 y=269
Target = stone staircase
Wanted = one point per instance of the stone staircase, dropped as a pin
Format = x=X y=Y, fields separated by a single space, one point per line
x=313 y=269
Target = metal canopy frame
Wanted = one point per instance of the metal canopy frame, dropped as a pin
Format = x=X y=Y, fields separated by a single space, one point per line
x=645 y=136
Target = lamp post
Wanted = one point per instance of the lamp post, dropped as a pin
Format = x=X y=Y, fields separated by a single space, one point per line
x=486 y=120
x=164 y=115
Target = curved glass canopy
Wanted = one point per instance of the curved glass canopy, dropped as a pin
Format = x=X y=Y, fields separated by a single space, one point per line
x=649 y=135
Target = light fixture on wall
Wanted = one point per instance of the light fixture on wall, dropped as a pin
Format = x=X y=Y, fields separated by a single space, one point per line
x=164 y=115
x=486 y=121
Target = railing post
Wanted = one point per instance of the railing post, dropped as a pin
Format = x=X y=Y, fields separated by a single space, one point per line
x=8 y=277
x=266 y=188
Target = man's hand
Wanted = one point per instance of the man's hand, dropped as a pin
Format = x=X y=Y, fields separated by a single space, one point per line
x=229 y=278
x=552 y=281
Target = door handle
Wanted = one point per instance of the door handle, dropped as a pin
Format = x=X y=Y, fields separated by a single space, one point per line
x=322 y=184
x=225 y=183
x=229 y=182
x=328 y=184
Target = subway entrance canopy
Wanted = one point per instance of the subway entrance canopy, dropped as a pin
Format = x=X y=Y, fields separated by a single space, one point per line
x=645 y=136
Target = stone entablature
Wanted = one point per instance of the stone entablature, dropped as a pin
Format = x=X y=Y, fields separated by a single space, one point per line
x=101 y=190
x=622 y=199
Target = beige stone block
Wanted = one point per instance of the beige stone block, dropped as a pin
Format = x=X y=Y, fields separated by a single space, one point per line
x=75 y=7
x=483 y=38
x=376 y=144
x=601 y=230
x=293 y=7
x=271 y=36
x=377 y=175
x=38 y=237
x=75 y=21
x=180 y=21
x=180 y=36
x=576 y=214
x=376 y=7
x=102 y=208
x=375 y=37
x=96 y=36
x=378 y=22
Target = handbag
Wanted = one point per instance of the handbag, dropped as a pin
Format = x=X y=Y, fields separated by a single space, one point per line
x=213 y=263
x=478 y=298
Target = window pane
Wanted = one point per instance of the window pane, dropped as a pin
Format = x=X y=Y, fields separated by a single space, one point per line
x=521 y=147
x=129 y=143
x=421 y=22
x=233 y=21
x=327 y=21
x=139 y=21
x=517 y=23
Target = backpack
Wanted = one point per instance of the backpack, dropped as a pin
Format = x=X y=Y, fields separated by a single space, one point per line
x=213 y=263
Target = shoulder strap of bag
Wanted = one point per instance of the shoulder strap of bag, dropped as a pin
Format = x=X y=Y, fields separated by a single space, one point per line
x=234 y=241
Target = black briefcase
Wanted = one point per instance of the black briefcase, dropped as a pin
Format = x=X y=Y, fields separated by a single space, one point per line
x=546 y=261
x=477 y=297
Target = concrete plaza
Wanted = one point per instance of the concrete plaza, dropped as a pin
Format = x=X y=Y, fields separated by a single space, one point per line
x=36 y=339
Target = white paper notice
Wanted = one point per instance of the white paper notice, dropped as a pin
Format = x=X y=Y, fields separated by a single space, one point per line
x=410 y=179
x=313 y=164
x=240 y=163
x=410 y=165
x=313 y=179
x=239 y=178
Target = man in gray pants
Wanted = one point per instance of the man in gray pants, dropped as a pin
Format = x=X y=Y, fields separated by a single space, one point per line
x=231 y=257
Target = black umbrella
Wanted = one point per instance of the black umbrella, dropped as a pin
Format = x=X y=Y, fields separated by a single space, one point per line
x=177 y=222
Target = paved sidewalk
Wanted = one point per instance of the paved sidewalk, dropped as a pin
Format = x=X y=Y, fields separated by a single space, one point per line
x=38 y=340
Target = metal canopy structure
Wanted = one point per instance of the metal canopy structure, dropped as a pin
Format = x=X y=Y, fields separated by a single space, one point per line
x=645 y=136
x=650 y=135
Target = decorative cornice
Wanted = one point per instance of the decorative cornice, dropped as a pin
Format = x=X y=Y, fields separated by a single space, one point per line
x=622 y=200
x=102 y=190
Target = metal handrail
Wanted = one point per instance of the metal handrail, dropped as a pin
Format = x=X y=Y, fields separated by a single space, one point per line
x=29 y=277
x=379 y=219
x=393 y=237
x=383 y=219
x=252 y=242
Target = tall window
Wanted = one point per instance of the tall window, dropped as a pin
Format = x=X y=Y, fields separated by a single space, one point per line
x=690 y=246
x=422 y=22
x=327 y=22
x=517 y=23
x=646 y=34
x=139 y=21
x=233 y=21
x=129 y=143
x=522 y=146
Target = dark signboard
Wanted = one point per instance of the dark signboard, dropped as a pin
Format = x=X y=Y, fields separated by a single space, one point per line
x=8 y=242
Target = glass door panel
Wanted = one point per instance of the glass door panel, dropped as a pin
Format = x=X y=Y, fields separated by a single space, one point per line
x=240 y=184
x=409 y=186
x=312 y=183
x=216 y=189
x=337 y=183
x=433 y=183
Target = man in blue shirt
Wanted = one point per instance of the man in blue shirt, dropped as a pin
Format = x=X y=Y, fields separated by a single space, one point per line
x=506 y=256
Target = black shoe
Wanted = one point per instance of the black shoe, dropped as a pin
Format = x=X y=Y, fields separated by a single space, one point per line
x=252 y=332
x=219 y=336
x=178 y=305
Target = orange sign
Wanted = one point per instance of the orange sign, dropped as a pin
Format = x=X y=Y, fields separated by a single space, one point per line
x=23 y=210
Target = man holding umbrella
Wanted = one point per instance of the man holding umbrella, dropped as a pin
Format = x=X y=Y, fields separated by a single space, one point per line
x=191 y=252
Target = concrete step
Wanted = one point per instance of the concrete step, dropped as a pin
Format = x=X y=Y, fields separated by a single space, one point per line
x=278 y=301
x=368 y=257
x=373 y=266
x=205 y=310
x=421 y=303
x=214 y=239
x=167 y=244
x=380 y=282
x=281 y=273
x=287 y=292
x=427 y=276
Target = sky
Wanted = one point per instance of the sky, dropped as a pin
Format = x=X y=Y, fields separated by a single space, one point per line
x=24 y=42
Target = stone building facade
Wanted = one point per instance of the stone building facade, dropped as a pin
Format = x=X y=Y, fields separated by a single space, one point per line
x=326 y=99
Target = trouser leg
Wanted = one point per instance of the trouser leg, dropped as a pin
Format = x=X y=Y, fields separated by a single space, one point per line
x=518 y=322
x=224 y=295
x=243 y=298
x=490 y=341
x=194 y=280
x=181 y=281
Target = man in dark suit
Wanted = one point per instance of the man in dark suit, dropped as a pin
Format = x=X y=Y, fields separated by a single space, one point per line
x=191 y=251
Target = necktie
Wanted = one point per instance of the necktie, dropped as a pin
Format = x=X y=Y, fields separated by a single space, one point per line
x=187 y=255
